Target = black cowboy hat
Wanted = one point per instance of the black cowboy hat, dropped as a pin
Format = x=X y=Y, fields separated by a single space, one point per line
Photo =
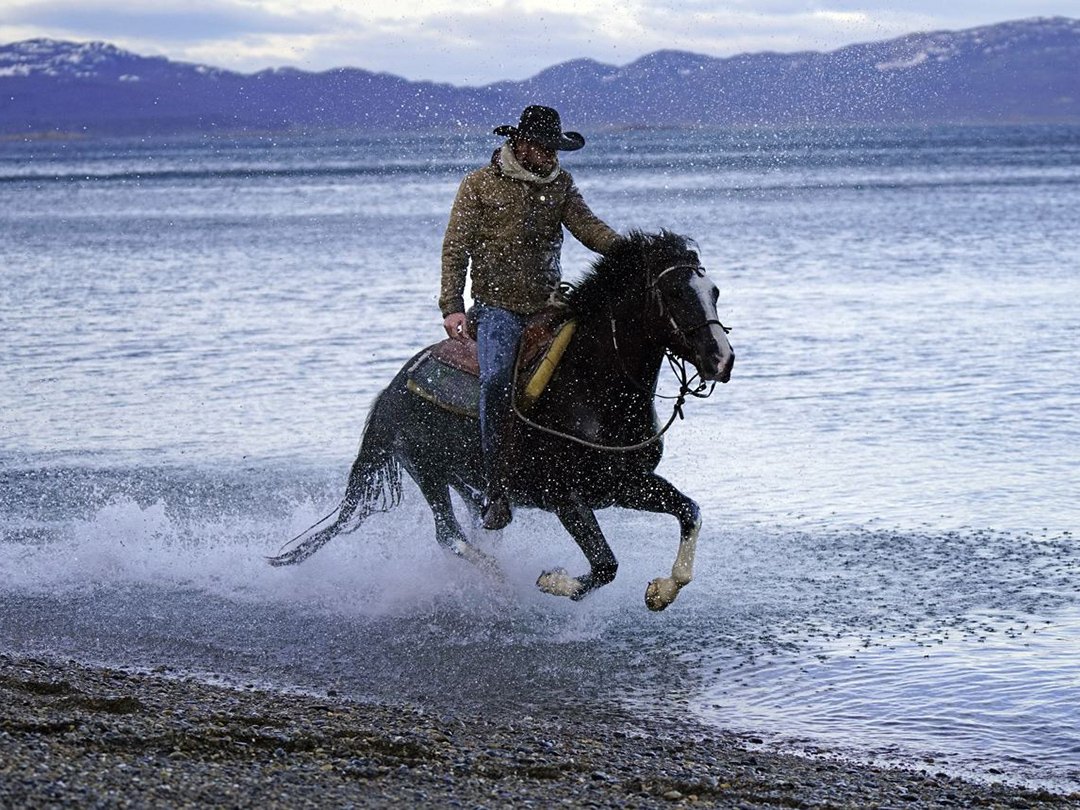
x=542 y=125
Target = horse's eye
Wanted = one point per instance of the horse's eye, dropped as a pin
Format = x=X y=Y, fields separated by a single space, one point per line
x=715 y=295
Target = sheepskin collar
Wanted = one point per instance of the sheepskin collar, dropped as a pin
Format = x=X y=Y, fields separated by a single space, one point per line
x=509 y=166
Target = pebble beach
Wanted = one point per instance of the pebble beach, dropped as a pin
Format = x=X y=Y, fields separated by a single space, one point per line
x=73 y=735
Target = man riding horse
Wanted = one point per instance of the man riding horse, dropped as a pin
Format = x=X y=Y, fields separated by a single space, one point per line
x=592 y=435
x=507 y=220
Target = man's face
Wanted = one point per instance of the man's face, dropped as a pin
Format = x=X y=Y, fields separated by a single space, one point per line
x=534 y=157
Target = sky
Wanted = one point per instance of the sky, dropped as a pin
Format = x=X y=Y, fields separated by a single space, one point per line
x=474 y=42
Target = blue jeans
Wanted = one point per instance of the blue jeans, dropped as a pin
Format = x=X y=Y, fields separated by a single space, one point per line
x=497 y=336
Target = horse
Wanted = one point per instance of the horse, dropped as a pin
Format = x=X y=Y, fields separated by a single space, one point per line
x=591 y=441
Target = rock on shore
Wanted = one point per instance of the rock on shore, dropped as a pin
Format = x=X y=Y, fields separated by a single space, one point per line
x=79 y=736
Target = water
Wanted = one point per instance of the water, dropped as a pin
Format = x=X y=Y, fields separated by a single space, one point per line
x=193 y=332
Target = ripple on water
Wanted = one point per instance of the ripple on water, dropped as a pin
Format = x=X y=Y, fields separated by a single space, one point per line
x=957 y=650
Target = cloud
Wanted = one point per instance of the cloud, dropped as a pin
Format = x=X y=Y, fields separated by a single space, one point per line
x=171 y=20
x=512 y=43
x=463 y=46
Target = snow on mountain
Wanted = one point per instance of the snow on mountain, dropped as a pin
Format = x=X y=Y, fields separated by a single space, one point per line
x=81 y=60
x=1032 y=38
x=50 y=57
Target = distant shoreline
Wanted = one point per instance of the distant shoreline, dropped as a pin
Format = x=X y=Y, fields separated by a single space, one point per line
x=480 y=132
x=79 y=735
x=46 y=136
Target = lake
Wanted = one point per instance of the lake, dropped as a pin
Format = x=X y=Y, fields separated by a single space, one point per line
x=194 y=329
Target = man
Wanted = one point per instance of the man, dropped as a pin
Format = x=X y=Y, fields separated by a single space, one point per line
x=507 y=220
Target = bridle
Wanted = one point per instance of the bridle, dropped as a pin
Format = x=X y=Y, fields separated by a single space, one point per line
x=653 y=289
x=677 y=364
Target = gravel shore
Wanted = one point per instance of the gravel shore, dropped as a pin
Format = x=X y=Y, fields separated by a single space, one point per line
x=79 y=736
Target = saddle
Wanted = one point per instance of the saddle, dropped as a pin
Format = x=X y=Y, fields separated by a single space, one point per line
x=448 y=373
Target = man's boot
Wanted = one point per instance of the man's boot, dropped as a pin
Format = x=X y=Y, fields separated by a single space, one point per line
x=497 y=514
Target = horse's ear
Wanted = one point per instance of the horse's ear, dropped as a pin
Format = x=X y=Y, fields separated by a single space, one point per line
x=676 y=241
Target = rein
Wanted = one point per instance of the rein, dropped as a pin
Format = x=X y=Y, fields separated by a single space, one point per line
x=623 y=448
x=677 y=365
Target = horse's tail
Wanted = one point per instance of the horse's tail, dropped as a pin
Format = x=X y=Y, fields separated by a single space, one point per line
x=374 y=486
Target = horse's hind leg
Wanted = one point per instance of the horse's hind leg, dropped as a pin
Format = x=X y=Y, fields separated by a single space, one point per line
x=580 y=522
x=651 y=493
x=447 y=529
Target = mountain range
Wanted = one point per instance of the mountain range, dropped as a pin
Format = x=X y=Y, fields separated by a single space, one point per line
x=1027 y=70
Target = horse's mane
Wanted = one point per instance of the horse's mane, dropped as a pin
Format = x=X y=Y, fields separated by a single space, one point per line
x=615 y=271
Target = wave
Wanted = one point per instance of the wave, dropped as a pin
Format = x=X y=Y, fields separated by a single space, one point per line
x=240 y=173
x=720 y=182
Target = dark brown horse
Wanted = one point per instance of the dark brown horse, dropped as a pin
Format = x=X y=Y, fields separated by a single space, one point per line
x=591 y=441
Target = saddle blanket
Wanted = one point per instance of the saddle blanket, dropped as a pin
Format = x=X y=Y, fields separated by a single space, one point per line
x=447 y=373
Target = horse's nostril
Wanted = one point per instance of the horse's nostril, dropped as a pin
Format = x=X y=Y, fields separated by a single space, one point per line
x=710 y=366
x=716 y=365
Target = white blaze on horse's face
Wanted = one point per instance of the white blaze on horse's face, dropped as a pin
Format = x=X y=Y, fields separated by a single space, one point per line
x=717 y=356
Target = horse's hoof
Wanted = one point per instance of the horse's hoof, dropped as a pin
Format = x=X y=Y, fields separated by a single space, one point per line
x=559 y=583
x=660 y=593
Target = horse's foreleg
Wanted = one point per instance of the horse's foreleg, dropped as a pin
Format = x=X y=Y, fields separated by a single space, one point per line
x=472 y=498
x=655 y=494
x=580 y=522
x=447 y=529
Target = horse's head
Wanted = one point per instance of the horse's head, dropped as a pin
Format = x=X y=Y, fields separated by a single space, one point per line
x=658 y=282
x=681 y=299
x=686 y=298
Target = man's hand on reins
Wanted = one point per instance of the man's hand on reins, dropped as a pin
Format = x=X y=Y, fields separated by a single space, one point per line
x=454 y=324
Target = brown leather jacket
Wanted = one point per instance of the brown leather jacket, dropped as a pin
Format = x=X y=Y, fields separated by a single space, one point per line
x=509 y=223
